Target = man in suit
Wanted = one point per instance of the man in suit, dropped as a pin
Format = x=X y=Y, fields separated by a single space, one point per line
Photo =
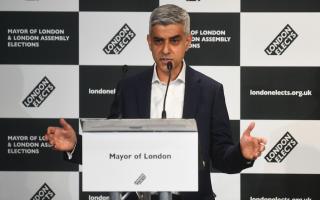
x=191 y=95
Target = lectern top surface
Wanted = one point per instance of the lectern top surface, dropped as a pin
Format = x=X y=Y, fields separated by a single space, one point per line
x=138 y=125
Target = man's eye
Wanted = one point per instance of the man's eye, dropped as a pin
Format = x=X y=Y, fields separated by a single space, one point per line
x=175 y=40
x=157 y=41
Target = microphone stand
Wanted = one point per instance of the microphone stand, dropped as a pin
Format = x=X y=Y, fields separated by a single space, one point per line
x=118 y=195
x=166 y=195
x=164 y=113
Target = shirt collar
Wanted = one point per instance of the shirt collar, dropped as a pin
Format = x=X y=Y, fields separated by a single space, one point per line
x=181 y=77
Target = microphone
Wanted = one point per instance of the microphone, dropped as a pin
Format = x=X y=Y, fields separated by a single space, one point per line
x=164 y=113
x=124 y=71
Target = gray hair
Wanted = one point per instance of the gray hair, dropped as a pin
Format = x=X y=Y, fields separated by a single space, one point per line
x=170 y=14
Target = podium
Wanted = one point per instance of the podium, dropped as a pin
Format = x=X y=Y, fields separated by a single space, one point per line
x=139 y=155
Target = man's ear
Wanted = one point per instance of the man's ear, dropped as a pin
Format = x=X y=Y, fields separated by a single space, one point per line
x=188 y=42
x=149 y=41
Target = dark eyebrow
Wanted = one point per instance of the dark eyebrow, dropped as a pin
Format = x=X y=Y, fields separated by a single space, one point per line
x=157 y=38
x=171 y=38
x=175 y=37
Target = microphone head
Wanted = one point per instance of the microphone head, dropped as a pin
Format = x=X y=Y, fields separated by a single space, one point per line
x=169 y=66
x=125 y=68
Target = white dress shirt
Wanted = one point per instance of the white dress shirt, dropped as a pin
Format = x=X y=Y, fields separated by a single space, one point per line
x=175 y=95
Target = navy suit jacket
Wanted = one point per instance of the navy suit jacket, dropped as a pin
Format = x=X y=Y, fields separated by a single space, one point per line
x=203 y=101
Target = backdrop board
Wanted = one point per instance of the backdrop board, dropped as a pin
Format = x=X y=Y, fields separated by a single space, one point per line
x=64 y=59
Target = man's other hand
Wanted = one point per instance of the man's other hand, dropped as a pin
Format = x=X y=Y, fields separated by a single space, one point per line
x=61 y=138
x=251 y=147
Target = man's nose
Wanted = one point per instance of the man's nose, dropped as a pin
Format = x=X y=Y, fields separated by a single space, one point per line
x=166 y=48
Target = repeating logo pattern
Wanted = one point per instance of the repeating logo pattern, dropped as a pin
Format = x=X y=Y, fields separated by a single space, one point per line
x=120 y=40
x=44 y=193
x=39 y=94
x=282 y=149
x=283 y=40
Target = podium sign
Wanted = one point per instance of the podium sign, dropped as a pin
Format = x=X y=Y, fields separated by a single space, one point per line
x=144 y=157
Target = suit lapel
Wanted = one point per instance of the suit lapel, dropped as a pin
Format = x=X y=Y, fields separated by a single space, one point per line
x=144 y=94
x=192 y=94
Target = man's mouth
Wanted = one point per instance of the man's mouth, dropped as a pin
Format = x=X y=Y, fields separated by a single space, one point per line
x=166 y=60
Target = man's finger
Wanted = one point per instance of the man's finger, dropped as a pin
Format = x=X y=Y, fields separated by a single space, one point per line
x=249 y=129
x=261 y=140
x=65 y=124
x=51 y=140
x=51 y=130
x=262 y=148
x=258 y=154
x=49 y=137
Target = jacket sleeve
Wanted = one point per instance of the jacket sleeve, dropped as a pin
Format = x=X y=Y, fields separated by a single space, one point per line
x=115 y=112
x=226 y=156
x=77 y=153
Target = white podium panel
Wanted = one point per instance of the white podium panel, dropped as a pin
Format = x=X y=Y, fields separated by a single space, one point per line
x=140 y=161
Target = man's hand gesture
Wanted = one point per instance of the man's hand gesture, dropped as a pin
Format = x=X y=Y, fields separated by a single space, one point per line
x=251 y=147
x=62 y=138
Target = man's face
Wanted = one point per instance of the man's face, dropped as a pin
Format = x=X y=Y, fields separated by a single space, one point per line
x=168 y=43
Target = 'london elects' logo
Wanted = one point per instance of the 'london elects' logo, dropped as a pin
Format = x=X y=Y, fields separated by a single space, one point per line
x=283 y=40
x=120 y=40
x=282 y=149
x=44 y=193
x=39 y=94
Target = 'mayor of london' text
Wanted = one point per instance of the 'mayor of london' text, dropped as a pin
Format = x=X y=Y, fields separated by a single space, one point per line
x=31 y=38
x=23 y=144
x=299 y=93
x=208 y=32
x=145 y=156
x=33 y=31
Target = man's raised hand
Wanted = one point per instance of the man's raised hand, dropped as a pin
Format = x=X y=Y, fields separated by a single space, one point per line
x=251 y=147
x=61 y=138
